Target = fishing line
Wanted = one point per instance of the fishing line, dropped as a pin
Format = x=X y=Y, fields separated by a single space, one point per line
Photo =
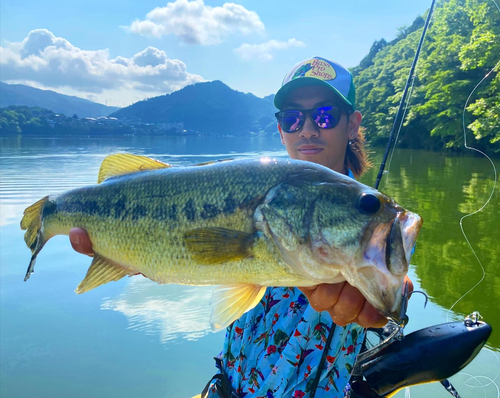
x=492 y=381
x=492 y=189
x=476 y=378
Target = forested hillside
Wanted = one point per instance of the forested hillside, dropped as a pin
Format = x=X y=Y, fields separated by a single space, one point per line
x=462 y=45
x=208 y=107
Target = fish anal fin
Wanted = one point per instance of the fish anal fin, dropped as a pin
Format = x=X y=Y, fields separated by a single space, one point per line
x=231 y=301
x=126 y=163
x=102 y=271
x=218 y=245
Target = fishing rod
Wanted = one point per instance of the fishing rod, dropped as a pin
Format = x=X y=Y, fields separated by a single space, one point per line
x=405 y=92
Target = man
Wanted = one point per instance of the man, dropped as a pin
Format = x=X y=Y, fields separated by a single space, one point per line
x=290 y=345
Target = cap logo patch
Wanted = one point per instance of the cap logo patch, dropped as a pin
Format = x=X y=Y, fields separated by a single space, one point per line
x=315 y=68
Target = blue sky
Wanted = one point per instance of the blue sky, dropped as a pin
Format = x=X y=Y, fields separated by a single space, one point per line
x=119 y=52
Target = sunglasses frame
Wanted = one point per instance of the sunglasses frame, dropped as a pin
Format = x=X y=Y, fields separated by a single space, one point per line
x=303 y=114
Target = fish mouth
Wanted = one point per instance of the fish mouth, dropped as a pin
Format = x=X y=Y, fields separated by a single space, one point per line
x=401 y=241
x=387 y=257
x=410 y=224
x=399 y=248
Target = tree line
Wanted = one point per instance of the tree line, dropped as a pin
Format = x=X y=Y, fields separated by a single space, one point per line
x=462 y=45
x=33 y=120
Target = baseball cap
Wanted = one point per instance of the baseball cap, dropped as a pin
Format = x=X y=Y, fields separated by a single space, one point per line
x=318 y=71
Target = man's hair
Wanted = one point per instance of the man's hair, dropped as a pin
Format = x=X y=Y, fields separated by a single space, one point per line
x=356 y=156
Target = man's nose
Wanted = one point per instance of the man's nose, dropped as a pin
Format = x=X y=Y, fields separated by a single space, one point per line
x=309 y=129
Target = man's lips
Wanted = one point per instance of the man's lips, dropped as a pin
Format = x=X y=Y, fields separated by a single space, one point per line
x=309 y=150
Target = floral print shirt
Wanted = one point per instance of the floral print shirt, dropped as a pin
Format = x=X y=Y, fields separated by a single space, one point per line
x=274 y=350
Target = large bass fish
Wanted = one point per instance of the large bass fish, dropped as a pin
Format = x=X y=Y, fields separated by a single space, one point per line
x=243 y=224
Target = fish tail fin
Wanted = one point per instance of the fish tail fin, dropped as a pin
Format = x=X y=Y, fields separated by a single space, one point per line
x=32 y=223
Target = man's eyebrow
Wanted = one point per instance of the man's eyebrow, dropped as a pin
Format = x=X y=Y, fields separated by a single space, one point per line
x=293 y=105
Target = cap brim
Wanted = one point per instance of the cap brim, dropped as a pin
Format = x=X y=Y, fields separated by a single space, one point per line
x=285 y=90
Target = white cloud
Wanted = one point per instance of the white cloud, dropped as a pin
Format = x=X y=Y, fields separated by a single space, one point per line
x=171 y=311
x=196 y=23
x=53 y=62
x=264 y=51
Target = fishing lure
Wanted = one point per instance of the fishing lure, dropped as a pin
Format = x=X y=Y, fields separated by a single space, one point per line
x=424 y=356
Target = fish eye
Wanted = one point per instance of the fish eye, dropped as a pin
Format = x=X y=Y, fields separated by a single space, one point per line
x=369 y=203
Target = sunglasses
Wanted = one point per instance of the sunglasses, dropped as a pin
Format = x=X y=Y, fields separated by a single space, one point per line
x=326 y=117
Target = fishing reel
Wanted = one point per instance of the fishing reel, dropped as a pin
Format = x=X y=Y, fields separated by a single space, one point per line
x=427 y=355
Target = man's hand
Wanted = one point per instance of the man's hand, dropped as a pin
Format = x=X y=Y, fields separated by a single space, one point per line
x=345 y=304
x=80 y=241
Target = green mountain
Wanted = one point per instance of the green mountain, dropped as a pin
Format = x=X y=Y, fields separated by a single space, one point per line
x=209 y=107
x=20 y=95
x=461 y=47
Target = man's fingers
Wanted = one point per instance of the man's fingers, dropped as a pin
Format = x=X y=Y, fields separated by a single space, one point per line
x=80 y=241
x=344 y=303
x=348 y=306
x=369 y=317
x=323 y=297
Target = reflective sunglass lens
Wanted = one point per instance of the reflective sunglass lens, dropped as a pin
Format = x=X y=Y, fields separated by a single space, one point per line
x=290 y=121
x=326 y=118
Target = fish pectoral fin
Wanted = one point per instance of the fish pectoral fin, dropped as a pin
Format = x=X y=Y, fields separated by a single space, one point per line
x=101 y=271
x=218 y=245
x=126 y=163
x=232 y=301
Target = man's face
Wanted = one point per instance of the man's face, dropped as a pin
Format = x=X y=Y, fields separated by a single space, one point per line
x=324 y=146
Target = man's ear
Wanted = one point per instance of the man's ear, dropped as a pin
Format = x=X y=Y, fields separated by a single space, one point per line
x=354 y=124
x=281 y=134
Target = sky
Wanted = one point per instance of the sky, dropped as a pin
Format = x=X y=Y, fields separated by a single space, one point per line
x=120 y=52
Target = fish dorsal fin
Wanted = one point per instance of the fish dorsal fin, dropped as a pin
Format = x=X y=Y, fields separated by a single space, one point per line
x=126 y=163
x=213 y=245
x=232 y=301
x=102 y=271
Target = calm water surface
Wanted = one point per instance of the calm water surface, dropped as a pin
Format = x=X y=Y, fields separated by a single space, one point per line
x=136 y=338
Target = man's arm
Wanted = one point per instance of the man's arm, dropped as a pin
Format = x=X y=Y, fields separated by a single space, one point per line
x=344 y=302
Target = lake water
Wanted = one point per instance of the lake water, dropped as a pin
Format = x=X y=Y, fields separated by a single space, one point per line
x=136 y=338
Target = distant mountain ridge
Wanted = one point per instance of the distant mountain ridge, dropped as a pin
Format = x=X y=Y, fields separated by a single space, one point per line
x=270 y=98
x=208 y=107
x=18 y=94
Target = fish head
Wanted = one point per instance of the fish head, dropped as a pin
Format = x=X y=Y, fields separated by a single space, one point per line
x=330 y=228
x=369 y=237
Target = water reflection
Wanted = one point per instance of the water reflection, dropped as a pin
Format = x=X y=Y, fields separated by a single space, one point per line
x=439 y=188
x=442 y=189
x=172 y=312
